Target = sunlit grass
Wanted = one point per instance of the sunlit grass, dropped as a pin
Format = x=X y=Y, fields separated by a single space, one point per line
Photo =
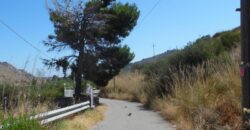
x=83 y=121
x=209 y=97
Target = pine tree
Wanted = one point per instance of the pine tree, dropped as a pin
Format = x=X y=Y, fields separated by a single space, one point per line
x=93 y=30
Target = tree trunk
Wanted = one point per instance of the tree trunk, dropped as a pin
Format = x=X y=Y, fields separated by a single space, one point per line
x=78 y=78
x=114 y=83
x=64 y=74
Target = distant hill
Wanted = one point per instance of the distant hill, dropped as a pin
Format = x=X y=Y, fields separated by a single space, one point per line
x=148 y=60
x=10 y=75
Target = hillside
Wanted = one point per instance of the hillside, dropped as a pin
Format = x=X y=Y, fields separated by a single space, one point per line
x=148 y=60
x=10 y=75
x=204 y=48
x=197 y=87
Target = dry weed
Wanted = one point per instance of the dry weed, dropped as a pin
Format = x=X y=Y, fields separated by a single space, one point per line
x=83 y=121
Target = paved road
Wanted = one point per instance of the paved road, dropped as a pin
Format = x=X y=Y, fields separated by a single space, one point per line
x=123 y=115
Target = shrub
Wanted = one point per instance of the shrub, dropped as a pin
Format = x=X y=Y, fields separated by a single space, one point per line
x=20 y=123
x=230 y=40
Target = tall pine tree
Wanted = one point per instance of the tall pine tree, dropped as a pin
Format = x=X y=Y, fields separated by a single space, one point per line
x=93 y=30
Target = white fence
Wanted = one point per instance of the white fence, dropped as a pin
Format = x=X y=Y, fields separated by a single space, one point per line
x=54 y=115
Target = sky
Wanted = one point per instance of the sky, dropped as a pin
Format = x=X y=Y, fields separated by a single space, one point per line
x=170 y=24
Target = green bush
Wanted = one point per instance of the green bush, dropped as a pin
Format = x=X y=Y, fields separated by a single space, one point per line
x=20 y=123
x=54 y=88
x=85 y=82
x=230 y=40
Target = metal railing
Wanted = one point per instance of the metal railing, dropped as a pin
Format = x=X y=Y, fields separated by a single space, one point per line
x=50 y=116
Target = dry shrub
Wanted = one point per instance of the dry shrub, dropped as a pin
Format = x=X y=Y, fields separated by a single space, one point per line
x=129 y=86
x=229 y=114
x=18 y=102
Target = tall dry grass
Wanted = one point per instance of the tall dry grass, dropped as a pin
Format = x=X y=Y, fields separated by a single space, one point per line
x=206 y=98
x=22 y=100
x=128 y=86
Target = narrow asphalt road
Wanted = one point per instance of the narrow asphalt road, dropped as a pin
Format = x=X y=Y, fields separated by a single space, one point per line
x=123 y=115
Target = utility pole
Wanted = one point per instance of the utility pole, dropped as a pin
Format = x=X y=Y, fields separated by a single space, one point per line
x=154 y=50
x=245 y=61
x=114 y=85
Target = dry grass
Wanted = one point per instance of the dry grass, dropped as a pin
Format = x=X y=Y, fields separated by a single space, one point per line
x=27 y=108
x=84 y=121
x=209 y=98
x=127 y=86
x=206 y=99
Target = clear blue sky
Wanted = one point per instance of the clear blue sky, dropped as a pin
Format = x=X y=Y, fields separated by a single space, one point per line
x=172 y=24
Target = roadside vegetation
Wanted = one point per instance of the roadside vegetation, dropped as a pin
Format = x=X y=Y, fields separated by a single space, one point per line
x=18 y=102
x=30 y=96
x=20 y=123
x=82 y=121
x=93 y=32
x=197 y=87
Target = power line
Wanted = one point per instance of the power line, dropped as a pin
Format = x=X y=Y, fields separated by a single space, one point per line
x=22 y=38
x=145 y=17
x=150 y=11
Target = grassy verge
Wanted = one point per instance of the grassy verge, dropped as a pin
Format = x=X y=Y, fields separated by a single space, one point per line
x=84 y=121
x=20 y=123
x=18 y=102
x=206 y=98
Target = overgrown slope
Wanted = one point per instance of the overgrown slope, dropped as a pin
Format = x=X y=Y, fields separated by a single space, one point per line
x=197 y=87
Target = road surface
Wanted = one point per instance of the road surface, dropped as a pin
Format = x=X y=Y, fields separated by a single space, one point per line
x=123 y=115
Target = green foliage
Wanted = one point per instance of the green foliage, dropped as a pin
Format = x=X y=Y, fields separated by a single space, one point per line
x=114 y=59
x=20 y=123
x=230 y=40
x=54 y=89
x=58 y=63
x=124 y=20
x=93 y=30
x=85 y=82
x=46 y=92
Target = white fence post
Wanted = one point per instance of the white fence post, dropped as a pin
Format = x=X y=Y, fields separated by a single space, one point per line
x=5 y=105
x=92 y=98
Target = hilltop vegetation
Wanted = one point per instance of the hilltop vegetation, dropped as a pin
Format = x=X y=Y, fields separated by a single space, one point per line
x=195 y=53
x=197 y=87
x=203 y=49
